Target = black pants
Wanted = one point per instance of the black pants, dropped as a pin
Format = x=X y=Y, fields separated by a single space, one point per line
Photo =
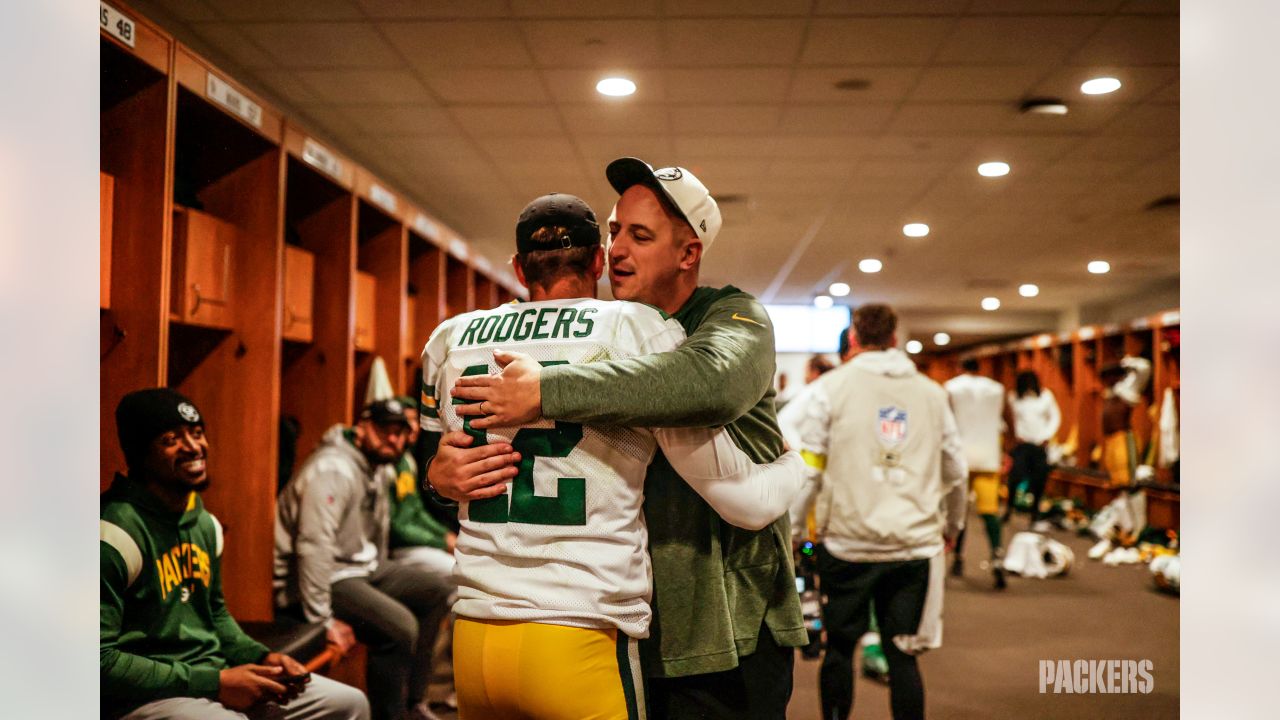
x=1030 y=462
x=899 y=590
x=760 y=687
x=396 y=612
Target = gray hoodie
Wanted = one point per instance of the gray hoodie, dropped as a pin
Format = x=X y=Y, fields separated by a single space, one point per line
x=332 y=521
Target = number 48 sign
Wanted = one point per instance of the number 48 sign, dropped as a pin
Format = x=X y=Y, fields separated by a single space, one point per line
x=116 y=24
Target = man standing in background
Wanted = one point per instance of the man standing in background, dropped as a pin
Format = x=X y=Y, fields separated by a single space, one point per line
x=978 y=404
x=882 y=439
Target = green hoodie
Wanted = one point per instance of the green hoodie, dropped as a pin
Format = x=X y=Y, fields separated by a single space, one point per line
x=411 y=524
x=164 y=629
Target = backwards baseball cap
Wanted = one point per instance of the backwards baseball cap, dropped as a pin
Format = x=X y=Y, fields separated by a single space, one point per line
x=570 y=214
x=685 y=191
x=385 y=412
x=143 y=415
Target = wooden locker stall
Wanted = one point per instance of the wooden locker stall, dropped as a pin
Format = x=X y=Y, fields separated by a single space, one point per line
x=382 y=262
x=135 y=164
x=317 y=376
x=427 y=263
x=228 y=166
x=459 y=290
x=486 y=291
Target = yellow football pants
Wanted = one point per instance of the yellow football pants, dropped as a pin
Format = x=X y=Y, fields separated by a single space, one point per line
x=986 y=491
x=534 y=671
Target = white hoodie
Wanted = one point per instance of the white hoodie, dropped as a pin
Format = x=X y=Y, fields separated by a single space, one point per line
x=883 y=442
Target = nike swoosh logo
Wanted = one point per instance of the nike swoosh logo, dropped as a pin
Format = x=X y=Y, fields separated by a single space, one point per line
x=736 y=316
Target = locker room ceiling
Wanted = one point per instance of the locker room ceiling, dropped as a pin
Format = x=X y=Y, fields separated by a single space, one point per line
x=474 y=108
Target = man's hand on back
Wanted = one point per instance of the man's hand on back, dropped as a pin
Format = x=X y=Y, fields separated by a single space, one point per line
x=461 y=472
x=512 y=397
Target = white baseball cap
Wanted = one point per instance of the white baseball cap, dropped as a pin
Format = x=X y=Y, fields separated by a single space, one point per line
x=685 y=191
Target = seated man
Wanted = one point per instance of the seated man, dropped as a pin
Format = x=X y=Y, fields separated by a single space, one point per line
x=416 y=535
x=167 y=645
x=554 y=581
x=331 y=565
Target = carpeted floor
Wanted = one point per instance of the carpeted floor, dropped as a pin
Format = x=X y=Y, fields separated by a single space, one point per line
x=988 y=666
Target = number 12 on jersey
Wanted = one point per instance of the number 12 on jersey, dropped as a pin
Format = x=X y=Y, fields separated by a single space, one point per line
x=567 y=507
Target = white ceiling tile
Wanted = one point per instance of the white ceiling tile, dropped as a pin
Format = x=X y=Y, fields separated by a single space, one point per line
x=323 y=45
x=949 y=119
x=600 y=150
x=920 y=147
x=885 y=41
x=584 y=8
x=1043 y=7
x=890 y=7
x=481 y=120
x=544 y=148
x=723 y=146
x=818 y=85
x=704 y=85
x=1151 y=7
x=365 y=86
x=596 y=44
x=735 y=8
x=820 y=146
x=725 y=119
x=410 y=120
x=1168 y=94
x=1008 y=83
x=1139 y=147
x=421 y=9
x=1146 y=120
x=188 y=10
x=464 y=43
x=698 y=43
x=1131 y=40
x=823 y=119
x=1040 y=40
x=579 y=86
x=883 y=168
x=288 y=86
x=453 y=151
x=604 y=118
x=290 y=10
x=230 y=40
x=487 y=86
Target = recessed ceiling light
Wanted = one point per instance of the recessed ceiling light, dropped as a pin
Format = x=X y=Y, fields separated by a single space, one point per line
x=914 y=346
x=1044 y=106
x=1100 y=86
x=990 y=303
x=839 y=289
x=941 y=339
x=993 y=169
x=615 y=87
x=1099 y=267
x=870 y=265
x=915 y=229
x=1029 y=290
x=822 y=302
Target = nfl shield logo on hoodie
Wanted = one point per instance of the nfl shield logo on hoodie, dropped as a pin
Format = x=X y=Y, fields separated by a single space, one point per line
x=892 y=425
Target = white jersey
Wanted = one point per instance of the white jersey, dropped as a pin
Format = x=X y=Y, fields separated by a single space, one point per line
x=978 y=403
x=567 y=544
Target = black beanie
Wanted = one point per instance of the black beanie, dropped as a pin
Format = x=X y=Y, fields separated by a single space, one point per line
x=144 y=414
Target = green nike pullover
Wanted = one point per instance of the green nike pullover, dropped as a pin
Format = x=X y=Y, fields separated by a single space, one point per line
x=714 y=584
x=164 y=629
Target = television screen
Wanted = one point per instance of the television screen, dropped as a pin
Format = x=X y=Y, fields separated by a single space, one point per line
x=807 y=329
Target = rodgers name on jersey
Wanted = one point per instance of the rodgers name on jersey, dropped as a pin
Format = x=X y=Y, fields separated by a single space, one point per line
x=566 y=543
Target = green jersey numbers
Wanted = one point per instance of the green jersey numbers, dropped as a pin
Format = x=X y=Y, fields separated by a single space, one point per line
x=567 y=507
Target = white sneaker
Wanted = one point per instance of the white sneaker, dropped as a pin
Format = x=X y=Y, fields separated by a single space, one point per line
x=1102 y=548
x=1040 y=526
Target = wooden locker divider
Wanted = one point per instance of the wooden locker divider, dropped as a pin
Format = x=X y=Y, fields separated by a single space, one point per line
x=299 y=293
x=106 y=210
x=427 y=267
x=318 y=377
x=459 y=290
x=383 y=254
x=486 y=294
x=234 y=375
x=136 y=108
